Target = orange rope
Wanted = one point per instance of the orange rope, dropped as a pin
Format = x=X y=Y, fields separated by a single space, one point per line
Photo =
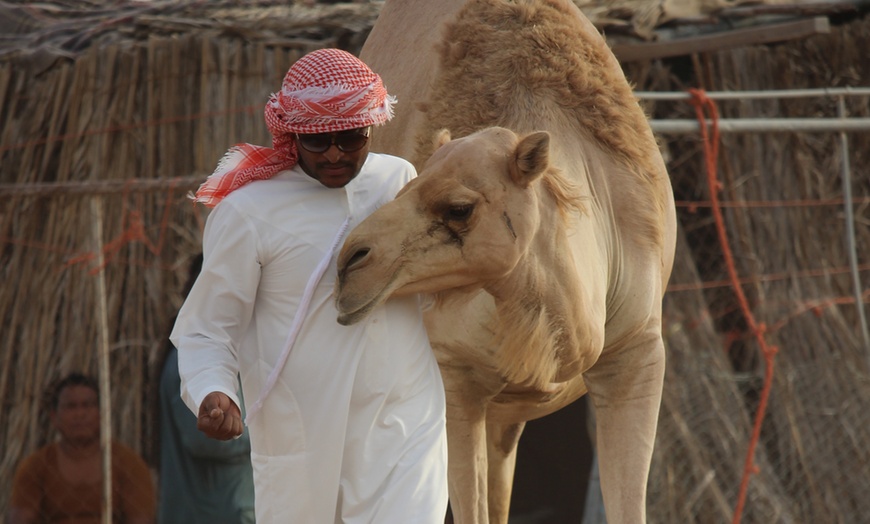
x=127 y=127
x=767 y=277
x=711 y=152
x=693 y=206
x=133 y=229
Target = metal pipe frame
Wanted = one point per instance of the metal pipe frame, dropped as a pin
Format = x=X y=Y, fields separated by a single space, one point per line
x=842 y=124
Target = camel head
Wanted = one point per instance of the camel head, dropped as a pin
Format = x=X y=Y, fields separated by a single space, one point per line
x=464 y=222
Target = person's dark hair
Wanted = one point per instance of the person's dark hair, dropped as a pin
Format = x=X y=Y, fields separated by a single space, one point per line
x=73 y=379
x=192 y=272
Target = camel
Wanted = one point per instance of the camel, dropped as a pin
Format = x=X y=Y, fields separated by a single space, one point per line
x=541 y=225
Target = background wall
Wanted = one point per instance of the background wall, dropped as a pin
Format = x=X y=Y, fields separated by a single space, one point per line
x=116 y=125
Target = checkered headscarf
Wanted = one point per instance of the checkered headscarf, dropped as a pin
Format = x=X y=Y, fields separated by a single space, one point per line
x=325 y=91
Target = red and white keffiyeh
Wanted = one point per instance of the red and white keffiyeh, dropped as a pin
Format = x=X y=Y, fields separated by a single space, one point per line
x=325 y=91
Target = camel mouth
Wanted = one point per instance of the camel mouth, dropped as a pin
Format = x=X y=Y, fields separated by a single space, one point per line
x=350 y=313
x=348 y=318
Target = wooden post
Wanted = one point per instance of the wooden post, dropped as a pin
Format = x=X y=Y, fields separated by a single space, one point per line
x=103 y=362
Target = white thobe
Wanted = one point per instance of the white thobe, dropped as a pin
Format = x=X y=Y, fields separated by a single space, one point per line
x=354 y=429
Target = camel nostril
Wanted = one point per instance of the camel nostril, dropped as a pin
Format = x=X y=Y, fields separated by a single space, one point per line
x=358 y=256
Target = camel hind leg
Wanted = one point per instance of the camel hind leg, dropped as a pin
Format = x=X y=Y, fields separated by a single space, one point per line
x=501 y=452
x=626 y=389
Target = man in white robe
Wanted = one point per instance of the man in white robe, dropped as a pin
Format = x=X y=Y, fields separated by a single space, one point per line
x=347 y=423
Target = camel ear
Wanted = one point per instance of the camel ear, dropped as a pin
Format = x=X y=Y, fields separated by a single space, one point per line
x=426 y=148
x=442 y=136
x=531 y=158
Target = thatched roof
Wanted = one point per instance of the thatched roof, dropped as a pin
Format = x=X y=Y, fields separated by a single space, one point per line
x=65 y=27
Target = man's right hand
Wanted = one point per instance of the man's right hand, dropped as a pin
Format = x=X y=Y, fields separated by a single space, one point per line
x=219 y=417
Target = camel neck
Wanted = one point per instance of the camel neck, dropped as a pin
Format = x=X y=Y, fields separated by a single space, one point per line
x=544 y=304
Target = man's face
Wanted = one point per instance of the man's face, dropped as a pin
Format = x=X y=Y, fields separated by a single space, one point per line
x=77 y=415
x=333 y=159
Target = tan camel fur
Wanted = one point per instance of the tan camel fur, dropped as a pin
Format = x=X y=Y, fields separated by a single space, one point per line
x=543 y=225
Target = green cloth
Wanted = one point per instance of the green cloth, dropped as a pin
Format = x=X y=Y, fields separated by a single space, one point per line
x=202 y=480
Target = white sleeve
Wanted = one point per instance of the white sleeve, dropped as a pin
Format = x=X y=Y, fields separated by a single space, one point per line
x=408 y=172
x=402 y=173
x=216 y=312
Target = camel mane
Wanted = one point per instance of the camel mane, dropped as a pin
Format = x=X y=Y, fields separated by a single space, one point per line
x=566 y=194
x=522 y=326
x=529 y=67
x=525 y=321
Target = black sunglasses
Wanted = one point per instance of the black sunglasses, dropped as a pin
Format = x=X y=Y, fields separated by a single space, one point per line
x=346 y=141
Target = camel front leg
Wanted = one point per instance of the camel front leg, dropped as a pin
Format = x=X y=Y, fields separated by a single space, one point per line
x=466 y=446
x=501 y=445
x=626 y=389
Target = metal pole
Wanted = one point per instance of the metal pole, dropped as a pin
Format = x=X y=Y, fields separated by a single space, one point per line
x=763 y=124
x=850 y=229
x=758 y=95
x=755 y=125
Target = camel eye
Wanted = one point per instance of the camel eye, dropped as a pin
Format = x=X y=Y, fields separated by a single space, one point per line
x=459 y=212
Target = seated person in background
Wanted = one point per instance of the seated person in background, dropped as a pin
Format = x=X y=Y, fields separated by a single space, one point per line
x=202 y=480
x=62 y=482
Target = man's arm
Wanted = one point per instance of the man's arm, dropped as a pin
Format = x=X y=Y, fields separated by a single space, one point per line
x=138 y=497
x=217 y=310
x=196 y=442
x=20 y=516
x=27 y=491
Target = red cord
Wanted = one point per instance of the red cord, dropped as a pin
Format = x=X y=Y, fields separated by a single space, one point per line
x=711 y=153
